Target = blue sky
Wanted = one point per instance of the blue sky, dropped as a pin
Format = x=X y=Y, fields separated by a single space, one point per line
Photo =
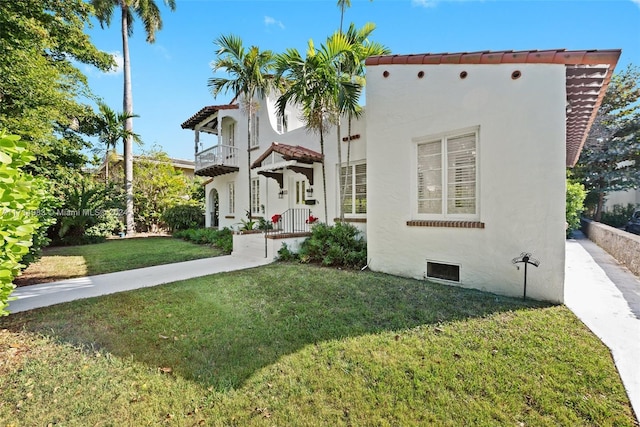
x=170 y=76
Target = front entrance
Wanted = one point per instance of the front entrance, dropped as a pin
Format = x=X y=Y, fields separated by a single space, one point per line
x=214 y=209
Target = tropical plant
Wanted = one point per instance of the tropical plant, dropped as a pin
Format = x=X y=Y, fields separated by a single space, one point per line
x=249 y=72
x=339 y=245
x=110 y=126
x=314 y=83
x=352 y=67
x=149 y=14
x=19 y=201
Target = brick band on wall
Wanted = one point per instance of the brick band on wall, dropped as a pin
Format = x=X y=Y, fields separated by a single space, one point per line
x=450 y=224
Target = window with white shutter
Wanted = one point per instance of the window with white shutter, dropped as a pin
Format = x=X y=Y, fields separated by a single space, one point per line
x=355 y=192
x=447 y=176
x=232 y=197
x=255 y=130
x=255 y=196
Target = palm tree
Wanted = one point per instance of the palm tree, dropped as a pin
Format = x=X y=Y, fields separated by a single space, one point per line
x=315 y=84
x=110 y=128
x=250 y=77
x=353 y=68
x=149 y=14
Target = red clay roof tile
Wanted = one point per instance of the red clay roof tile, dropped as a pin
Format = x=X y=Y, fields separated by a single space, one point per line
x=289 y=152
x=204 y=113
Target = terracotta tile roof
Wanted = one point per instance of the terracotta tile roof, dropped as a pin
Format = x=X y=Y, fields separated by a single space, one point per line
x=204 y=113
x=588 y=73
x=289 y=152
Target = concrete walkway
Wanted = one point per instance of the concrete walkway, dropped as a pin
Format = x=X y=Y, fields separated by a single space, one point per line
x=606 y=297
x=36 y=296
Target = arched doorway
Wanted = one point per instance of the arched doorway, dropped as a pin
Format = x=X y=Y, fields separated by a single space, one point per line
x=214 y=209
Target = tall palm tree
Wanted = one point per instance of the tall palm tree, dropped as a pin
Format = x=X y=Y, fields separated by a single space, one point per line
x=250 y=77
x=353 y=68
x=314 y=83
x=110 y=128
x=149 y=13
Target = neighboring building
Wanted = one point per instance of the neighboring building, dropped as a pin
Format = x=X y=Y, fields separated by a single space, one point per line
x=622 y=198
x=457 y=167
x=187 y=167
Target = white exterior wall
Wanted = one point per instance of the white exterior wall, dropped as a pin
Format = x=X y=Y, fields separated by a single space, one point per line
x=521 y=164
x=297 y=135
x=622 y=198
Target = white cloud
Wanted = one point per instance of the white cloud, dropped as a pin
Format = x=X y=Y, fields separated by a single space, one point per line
x=424 y=3
x=636 y=2
x=119 y=60
x=271 y=21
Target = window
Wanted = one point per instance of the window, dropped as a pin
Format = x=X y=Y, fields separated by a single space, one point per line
x=232 y=197
x=255 y=196
x=300 y=193
x=355 y=193
x=255 y=130
x=443 y=271
x=281 y=125
x=447 y=182
x=231 y=129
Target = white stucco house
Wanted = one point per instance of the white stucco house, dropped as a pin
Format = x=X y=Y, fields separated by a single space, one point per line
x=456 y=168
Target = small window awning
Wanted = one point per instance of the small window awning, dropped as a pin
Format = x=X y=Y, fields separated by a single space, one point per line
x=279 y=157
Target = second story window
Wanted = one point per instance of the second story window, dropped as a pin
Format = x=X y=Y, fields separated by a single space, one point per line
x=231 y=132
x=281 y=125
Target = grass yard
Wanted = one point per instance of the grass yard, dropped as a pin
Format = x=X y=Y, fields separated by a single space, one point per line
x=299 y=345
x=66 y=262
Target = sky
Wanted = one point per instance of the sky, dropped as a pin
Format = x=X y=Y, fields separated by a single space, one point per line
x=169 y=77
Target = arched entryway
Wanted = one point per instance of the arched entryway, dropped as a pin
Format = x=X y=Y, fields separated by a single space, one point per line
x=214 y=209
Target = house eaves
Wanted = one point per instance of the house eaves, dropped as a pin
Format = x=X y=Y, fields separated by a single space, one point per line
x=588 y=73
x=205 y=112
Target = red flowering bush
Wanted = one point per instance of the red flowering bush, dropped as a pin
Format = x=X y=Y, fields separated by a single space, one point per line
x=276 y=218
x=311 y=219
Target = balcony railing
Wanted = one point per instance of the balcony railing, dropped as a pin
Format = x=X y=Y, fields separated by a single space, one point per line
x=217 y=160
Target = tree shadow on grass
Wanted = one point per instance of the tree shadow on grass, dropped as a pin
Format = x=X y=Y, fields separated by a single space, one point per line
x=219 y=330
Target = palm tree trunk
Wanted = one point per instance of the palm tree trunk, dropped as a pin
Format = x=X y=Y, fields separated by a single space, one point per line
x=348 y=170
x=128 y=141
x=340 y=190
x=249 y=160
x=324 y=177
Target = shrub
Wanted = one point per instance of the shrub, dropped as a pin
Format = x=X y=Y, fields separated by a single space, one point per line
x=222 y=239
x=183 y=217
x=285 y=254
x=20 y=200
x=339 y=245
x=108 y=224
x=618 y=216
x=575 y=205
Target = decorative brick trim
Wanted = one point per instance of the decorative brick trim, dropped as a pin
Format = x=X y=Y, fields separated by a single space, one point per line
x=451 y=224
x=360 y=220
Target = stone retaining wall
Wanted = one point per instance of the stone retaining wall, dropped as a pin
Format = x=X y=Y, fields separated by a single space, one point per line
x=623 y=246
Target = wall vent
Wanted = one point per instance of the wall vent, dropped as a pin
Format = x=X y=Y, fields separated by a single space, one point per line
x=450 y=272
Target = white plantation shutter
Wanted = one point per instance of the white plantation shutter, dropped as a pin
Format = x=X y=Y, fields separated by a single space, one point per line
x=360 y=195
x=355 y=201
x=430 y=177
x=232 y=198
x=461 y=174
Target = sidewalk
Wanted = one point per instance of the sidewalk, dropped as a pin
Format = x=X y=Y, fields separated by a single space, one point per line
x=606 y=297
x=36 y=296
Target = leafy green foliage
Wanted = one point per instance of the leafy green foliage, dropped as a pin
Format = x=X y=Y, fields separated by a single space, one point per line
x=619 y=215
x=610 y=160
x=157 y=187
x=20 y=198
x=574 y=205
x=287 y=255
x=182 y=217
x=222 y=239
x=339 y=245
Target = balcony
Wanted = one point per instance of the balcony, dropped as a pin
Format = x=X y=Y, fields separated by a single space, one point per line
x=217 y=160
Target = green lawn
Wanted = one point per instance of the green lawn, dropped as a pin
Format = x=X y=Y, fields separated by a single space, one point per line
x=299 y=345
x=67 y=262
